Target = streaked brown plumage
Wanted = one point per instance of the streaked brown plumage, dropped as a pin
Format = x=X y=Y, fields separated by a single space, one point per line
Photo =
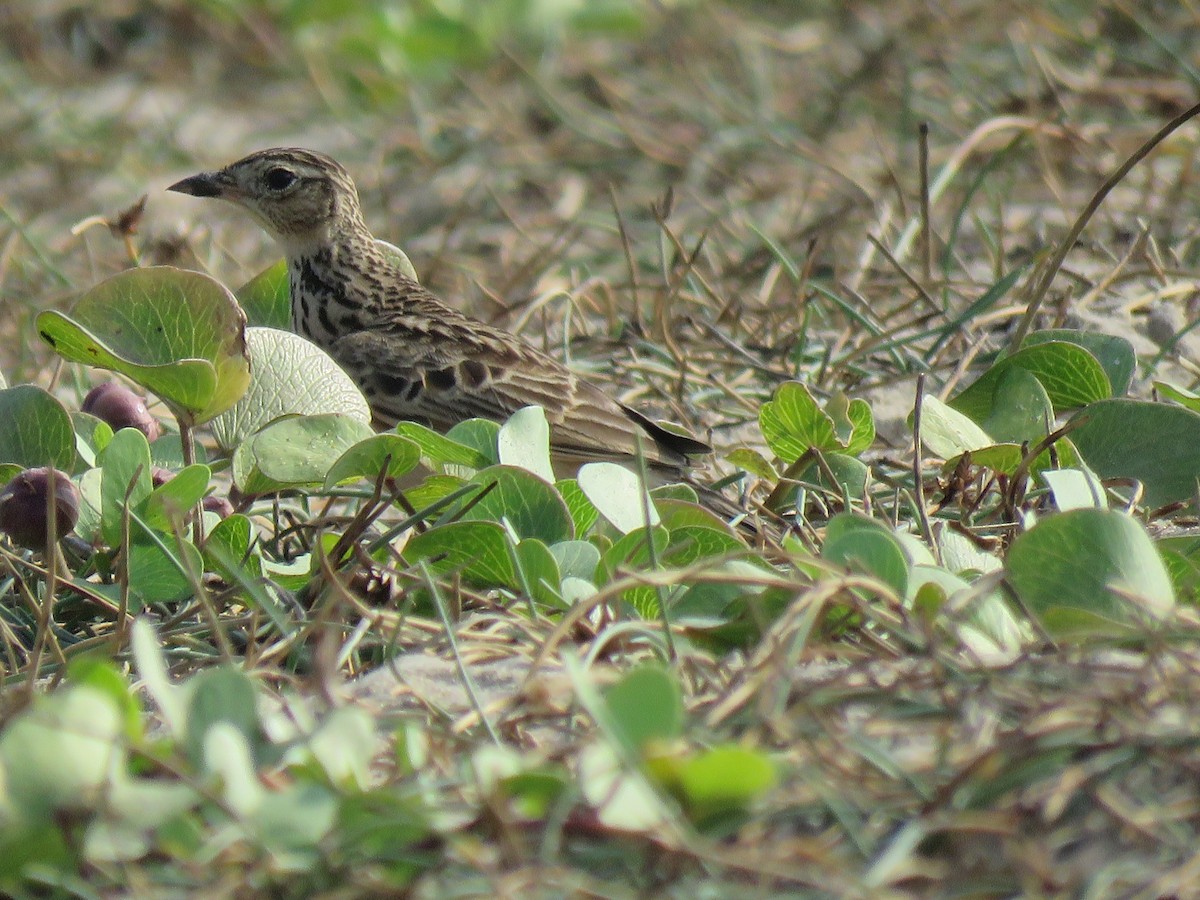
x=413 y=356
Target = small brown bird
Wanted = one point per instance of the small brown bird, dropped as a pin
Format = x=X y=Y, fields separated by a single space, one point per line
x=412 y=356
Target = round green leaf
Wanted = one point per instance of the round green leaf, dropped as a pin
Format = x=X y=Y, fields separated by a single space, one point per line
x=1090 y=570
x=866 y=546
x=60 y=753
x=1155 y=443
x=1070 y=374
x=266 y=298
x=791 y=422
x=295 y=451
x=479 y=550
x=618 y=495
x=644 y=706
x=367 y=458
x=478 y=434
x=947 y=433
x=695 y=542
x=725 y=778
x=1113 y=352
x=540 y=570
x=524 y=441
x=440 y=449
x=583 y=513
x=154 y=576
x=125 y=480
x=177 y=497
x=37 y=429
x=179 y=334
x=1021 y=409
x=632 y=551
x=531 y=506
x=576 y=559
x=683 y=513
x=292 y=376
x=229 y=544
x=91 y=436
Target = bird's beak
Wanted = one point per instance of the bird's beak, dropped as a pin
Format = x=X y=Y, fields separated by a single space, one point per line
x=206 y=184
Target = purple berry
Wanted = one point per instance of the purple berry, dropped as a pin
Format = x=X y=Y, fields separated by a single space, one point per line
x=121 y=408
x=219 y=505
x=24 y=505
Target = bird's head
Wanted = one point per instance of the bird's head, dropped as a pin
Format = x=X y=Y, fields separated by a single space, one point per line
x=302 y=198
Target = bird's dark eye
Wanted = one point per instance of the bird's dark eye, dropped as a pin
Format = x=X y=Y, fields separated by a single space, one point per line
x=279 y=178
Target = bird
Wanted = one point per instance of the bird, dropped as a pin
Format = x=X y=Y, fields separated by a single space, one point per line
x=414 y=357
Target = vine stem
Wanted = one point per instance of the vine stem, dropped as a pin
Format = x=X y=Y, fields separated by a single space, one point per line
x=189 y=458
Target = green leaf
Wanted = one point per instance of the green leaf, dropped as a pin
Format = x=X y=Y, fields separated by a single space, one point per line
x=1179 y=395
x=753 y=462
x=644 y=706
x=233 y=535
x=1114 y=353
x=583 y=513
x=344 y=745
x=691 y=543
x=1070 y=374
x=151 y=665
x=540 y=570
x=292 y=376
x=479 y=550
x=1006 y=458
x=948 y=433
x=478 y=434
x=1075 y=489
x=221 y=695
x=91 y=437
x=725 y=778
x=179 y=334
x=1090 y=571
x=155 y=574
x=367 y=458
x=1155 y=443
x=792 y=422
x=631 y=551
x=866 y=546
x=37 y=430
x=853 y=423
x=440 y=450
x=103 y=675
x=1181 y=556
x=676 y=514
x=295 y=451
x=59 y=753
x=576 y=559
x=177 y=497
x=850 y=474
x=617 y=494
x=531 y=506
x=1021 y=409
x=266 y=298
x=125 y=480
x=399 y=257
x=524 y=441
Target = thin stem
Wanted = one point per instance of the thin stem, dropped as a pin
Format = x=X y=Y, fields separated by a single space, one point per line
x=189 y=458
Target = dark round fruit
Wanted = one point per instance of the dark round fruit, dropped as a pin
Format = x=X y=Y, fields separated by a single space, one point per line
x=160 y=476
x=121 y=408
x=219 y=505
x=24 y=503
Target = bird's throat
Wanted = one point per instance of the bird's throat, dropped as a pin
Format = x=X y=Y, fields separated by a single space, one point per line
x=327 y=296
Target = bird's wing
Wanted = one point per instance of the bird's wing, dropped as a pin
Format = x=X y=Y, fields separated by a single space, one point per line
x=445 y=371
